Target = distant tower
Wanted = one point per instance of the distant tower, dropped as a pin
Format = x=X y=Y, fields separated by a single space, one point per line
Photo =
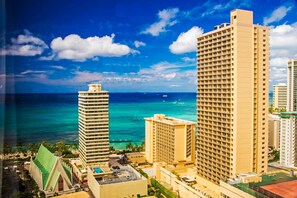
x=280 y=96
x=93 y=125
x=292 y=86
x=288 y=134
x=288 y=137
x=232 y=99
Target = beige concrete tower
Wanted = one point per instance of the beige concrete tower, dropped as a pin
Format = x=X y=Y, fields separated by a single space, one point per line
x=93 y=125
x=169 y=139
x=280 y=96
x=232 y=98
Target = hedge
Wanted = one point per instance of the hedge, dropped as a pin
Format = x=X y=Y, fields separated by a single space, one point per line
x=164 y=190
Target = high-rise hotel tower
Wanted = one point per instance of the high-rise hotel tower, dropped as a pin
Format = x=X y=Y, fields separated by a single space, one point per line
x=232 y=98
x=93 y=125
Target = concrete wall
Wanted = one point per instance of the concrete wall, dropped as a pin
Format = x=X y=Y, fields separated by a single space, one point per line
x=117 y=190
x=232 y=192
x=179 y=187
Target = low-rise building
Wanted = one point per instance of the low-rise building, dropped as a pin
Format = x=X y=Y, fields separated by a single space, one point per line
x=136 y=158
x=79 y=171
x=182 y=180
x=50 y=173
x=117 y=182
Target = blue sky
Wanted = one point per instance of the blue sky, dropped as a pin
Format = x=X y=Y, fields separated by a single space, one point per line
x=127 y=46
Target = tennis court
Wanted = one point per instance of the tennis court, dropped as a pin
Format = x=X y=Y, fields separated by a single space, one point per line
x=284 y=189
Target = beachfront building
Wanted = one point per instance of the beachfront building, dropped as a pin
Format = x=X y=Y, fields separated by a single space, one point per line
x=232 y=98
x=169 y=139
x=273 y=131
x=280 y=96
x=119 y=181
x=93 y=123
x=50 y=173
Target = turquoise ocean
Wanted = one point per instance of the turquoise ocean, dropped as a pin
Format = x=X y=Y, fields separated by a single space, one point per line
x=54 y=117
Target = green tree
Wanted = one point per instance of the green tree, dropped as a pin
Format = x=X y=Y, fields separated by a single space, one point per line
x=48 y=145
x=33 y=148
x=7 y=149
x=60 y=148
x=271 y=109
x=111 y=148
x=142 y=145
x=129 y=146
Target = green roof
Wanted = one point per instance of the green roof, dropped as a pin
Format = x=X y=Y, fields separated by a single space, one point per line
x=289 y=113
x=45 y=161
x=275 y=179
x=68 y=171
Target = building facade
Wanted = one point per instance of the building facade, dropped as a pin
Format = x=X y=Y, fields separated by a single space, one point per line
x=273 y=131
x=93 y=125
x=288 y=138
x=280 y=96
x=125 y=182
x=288 y=121
x=292 y=86
x=232 y=98
x=169 y=139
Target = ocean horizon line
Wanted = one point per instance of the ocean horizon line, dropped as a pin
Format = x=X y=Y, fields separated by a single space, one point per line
x=108 y=92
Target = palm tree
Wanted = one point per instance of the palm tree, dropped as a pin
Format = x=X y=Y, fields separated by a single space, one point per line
x=129 y=146
x=7 y=149
x=33 y=148
x=142 y=145
x=60 y=148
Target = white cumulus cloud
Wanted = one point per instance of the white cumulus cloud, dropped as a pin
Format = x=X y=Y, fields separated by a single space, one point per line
x=138 y=44
x=24 y=45
x=277 y=15
x=73 y=47
x=186 y=41
x=166 y=19
x=283 y=42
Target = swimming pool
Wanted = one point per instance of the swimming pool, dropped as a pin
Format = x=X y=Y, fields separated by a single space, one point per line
x=97 y=170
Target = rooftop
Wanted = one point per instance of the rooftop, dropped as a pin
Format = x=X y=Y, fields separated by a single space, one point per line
x=288 y=114
x=118 y=174
x=269 y=179
x=169 y=120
